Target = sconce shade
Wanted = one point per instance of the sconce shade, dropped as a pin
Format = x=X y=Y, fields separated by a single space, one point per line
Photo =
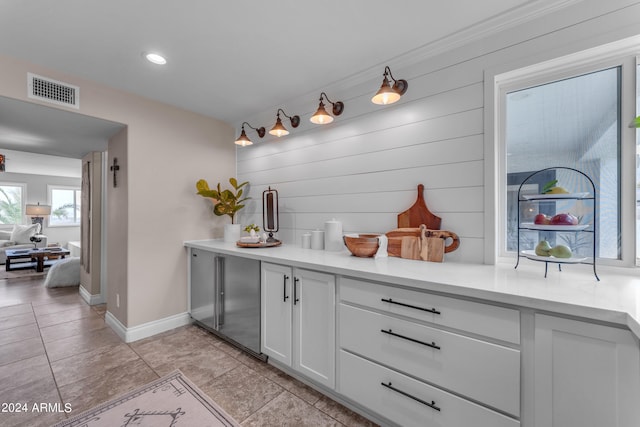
x=278 y=129
x=321 y=116
x=243 y=139
x=38 y=210
x=388 y=94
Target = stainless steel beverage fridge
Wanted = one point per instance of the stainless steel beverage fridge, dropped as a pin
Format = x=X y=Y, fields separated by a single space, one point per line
x=225 y=297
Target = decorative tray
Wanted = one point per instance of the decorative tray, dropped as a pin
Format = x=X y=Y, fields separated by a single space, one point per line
x=258 y=245
x=549 y=227
x=573 y=260
x=555 y=196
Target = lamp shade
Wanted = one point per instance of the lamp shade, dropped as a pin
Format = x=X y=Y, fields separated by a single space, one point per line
x=243 y=140
x=38 y=210
x=321 y=116
x=278 y=129
x=386 y=94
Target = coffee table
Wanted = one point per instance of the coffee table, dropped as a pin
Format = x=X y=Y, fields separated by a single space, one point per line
x=20 y=259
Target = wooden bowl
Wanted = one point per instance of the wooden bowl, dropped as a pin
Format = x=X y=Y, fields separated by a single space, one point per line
x=362 y=245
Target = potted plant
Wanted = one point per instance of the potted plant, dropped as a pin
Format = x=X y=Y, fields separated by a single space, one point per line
x=226 y=202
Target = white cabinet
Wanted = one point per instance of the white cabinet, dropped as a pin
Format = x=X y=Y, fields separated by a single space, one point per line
x=409 y=402
x=586 y=375
x=276 y=312
x=298 y=320
x=421 y=359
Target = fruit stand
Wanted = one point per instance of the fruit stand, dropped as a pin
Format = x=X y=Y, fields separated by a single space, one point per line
x=562 y=222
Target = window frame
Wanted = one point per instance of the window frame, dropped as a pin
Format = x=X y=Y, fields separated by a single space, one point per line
x=50 y=189
x=23 y=202
x=500 y=82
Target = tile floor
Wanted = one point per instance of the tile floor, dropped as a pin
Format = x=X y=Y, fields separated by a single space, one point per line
x=54 y=348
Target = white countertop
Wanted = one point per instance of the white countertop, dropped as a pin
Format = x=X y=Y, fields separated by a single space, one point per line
x=574 y=291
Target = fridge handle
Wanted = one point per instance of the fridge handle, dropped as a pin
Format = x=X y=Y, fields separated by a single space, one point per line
x=219 y=290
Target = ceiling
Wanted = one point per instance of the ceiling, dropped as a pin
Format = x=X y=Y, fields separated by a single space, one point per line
x=231 y=59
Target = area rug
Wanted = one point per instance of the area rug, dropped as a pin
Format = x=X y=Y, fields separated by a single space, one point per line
x=4 y=274
x=171 y=401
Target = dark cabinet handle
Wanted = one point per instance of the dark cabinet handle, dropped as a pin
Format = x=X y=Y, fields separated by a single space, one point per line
x=431 y=345
x=295 y=290
x=430 y=310
x=431 y=405
x=284 y=288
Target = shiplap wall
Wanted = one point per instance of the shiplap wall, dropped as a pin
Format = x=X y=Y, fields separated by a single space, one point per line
x=363 y=169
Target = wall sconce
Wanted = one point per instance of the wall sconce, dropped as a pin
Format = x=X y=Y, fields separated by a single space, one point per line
x=389 y=94
x=37 y=213
x=2 y=159
x=321 y=117
x=278 y=129
x=244 y=140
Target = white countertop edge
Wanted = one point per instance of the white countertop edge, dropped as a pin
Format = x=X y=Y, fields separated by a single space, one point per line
x=572 y=292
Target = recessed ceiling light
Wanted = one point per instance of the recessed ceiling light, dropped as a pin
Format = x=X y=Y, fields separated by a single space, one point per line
x=155 y=58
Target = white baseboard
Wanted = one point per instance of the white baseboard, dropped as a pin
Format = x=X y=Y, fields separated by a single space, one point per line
x=146 y=330
x=91 y=299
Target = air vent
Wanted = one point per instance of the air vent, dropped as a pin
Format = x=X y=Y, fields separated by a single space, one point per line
x=53 y=91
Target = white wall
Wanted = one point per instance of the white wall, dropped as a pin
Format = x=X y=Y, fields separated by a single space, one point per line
x=363 y=169
x=163 y=152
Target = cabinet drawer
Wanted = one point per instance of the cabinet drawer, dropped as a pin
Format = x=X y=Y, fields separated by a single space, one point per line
x=362 y=381
x=483 y=371
x=484 y=319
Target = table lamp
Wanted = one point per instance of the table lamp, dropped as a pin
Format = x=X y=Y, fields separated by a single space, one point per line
x=37 y=213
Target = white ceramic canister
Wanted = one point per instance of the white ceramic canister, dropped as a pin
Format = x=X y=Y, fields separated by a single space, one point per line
x=306 y=241
x=317 y=239
x=333 y=235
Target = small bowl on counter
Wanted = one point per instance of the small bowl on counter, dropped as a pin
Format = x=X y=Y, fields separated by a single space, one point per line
x=361 y=245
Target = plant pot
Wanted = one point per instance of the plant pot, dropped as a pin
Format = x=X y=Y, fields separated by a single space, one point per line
x=232 y=233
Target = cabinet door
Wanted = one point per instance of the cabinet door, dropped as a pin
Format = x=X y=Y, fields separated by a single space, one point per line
x=201 y=285
x=314 y=325
x=586 y=375
x=276 y=312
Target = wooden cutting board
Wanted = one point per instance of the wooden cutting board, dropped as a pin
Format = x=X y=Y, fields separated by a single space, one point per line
x=419 y=214
x=397 y=240
x=431 y=246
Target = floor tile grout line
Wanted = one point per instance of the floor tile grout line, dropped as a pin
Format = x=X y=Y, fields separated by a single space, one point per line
x=46 y=354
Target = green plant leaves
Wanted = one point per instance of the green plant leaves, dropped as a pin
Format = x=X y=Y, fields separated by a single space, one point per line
x=228 y=202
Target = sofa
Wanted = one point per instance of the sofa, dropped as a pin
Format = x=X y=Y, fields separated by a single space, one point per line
x=20 y=238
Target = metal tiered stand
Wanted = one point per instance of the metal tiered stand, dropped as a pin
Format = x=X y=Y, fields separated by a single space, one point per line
x=581 y=228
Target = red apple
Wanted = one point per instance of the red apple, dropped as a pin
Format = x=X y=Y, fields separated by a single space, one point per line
x=541 y=219
x=564 y=219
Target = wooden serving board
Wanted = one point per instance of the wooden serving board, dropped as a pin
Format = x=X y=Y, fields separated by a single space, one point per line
x=403 y=242
x=419 y=214
x=258 y=245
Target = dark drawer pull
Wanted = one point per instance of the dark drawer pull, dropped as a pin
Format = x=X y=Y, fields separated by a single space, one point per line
x=432 y=344
x=430 y=310
x=284 y=288
x=431 y=405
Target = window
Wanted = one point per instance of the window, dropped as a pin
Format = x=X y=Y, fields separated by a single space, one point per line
x=572 y=112
x=11 y=203
x=572 y=122
x=65 y=206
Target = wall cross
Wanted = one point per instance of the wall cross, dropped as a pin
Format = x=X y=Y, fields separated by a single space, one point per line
x=115 y=168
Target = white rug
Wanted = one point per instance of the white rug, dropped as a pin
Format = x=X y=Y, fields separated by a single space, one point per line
x=171 y=401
